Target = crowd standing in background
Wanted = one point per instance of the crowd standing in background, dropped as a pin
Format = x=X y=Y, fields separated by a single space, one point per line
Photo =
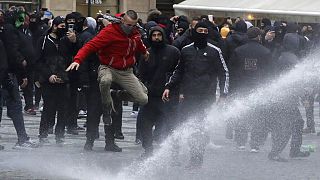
x=170 y=67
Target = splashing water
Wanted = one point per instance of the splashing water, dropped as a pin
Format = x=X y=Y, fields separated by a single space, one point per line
x=161 y=164
x=305 y=73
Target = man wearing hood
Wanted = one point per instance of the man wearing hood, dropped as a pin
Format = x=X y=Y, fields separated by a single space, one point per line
x=154 y=74
x=200 y=65
x=16 y=64
x=186 y=37
x=235 y=39
x=249 y=66
x=54 y=56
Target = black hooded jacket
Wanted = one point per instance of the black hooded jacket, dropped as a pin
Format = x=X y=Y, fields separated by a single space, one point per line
x=236 y=39
x=54 y=56
x=3 y=62
x=198 y=71
x=155 y=72
x=250 y=65
x=10 y=37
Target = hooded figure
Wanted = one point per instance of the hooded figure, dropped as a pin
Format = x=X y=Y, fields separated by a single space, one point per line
x=182 y=27
x=200 y=35
x=154 y=73
x=237 y=38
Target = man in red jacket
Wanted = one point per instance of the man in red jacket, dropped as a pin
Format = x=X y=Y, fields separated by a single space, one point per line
x=116 y=46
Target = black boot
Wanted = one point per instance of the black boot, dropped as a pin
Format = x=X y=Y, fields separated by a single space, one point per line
x=299 y=154
x=110 y=144
x=89 y=144
x=118 y=135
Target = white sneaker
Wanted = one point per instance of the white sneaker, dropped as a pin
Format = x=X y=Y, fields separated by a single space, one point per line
x=41 y=109
x=26 y=145
x=241 y=148
x=254 y=150
x=134 y=113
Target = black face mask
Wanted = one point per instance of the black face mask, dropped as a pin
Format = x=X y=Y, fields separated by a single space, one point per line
x=157 y=44
x=199 y=39
x=61 y=32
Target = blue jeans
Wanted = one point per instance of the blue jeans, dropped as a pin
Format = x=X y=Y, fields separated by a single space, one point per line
x=14 y=108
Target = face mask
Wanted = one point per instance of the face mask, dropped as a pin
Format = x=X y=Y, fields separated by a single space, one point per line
x=199 y=39
x=126 y=29
x=61 y=32
x=20 y=20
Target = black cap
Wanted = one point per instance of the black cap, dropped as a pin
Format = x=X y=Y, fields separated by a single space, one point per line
x=58 y=20
x=253 y=32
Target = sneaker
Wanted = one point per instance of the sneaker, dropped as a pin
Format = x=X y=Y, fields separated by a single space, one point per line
x=118 y=135
x=80 y=128
x=88 y=146
x=44 y=141
x=112 y=147
x=26 y=145
x=277 y=158
x=41 y=109
x=254 y=150
x=60 y=141
x=134 y=114
x=82 y=114
x=299 y=154
x=138 y=141
x=241 y=148
x=30 y=112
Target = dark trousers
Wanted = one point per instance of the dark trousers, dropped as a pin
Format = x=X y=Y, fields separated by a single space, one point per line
x=55 y=100
x=116 y=115
x=308 y=102
x=139 y=126
x=72 y=114
x=283 y=122
x=94 y=110
x=14 y=108
x=38 y=94
x=28 y=92
x=151 y=113
x=194 y=108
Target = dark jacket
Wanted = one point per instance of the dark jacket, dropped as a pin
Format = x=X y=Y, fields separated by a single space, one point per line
x=3 y=62
x=198 y=70
x=27 y=48
x=249 y=66
x=233 y=41
x=183 y=40
x=55 y=55
x=155 y=72
x=14 y=46
x=295 y=43
x=88 y=71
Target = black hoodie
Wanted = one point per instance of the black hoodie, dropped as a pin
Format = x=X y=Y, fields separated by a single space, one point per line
x=155 y=72
x=236 y=39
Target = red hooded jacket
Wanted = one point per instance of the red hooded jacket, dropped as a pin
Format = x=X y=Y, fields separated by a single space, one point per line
x=114 y=47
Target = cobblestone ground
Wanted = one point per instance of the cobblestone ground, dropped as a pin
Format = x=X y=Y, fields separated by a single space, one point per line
x=222 y=161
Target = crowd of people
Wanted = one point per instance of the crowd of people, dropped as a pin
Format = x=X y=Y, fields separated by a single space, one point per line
x=170 y=67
